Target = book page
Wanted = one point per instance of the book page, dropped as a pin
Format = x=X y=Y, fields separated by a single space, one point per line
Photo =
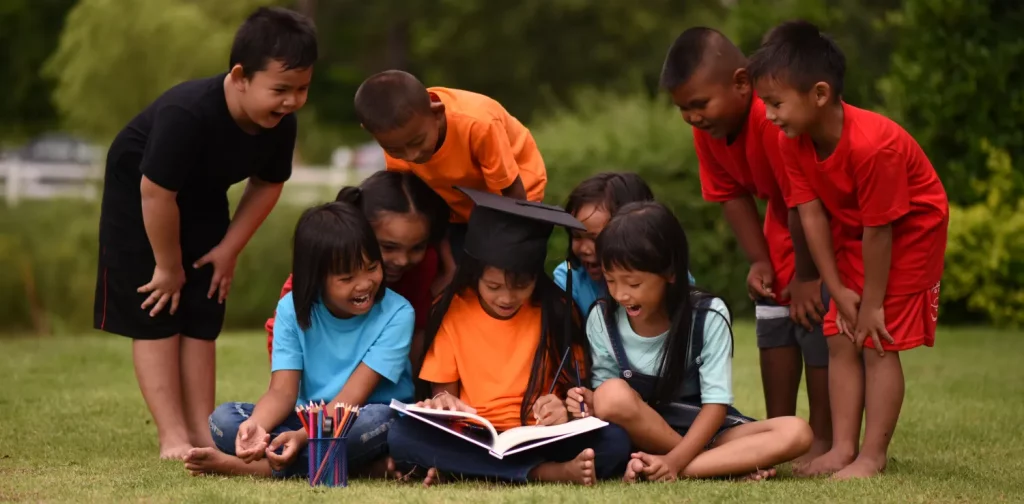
x=516 y=436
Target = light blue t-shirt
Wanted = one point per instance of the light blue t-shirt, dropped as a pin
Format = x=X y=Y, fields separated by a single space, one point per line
x=585 y=291
x=332 y=348
x=644 y=353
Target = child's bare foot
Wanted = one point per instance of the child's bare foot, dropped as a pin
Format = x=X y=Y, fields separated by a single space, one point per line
x=578 y=470
x=862 y=467
x=819 y=447
x=176 y=451
x=433 y=478
x=759 y=475
x=199 y=461
x=829 y=463
x=634 y=471
x=381 y=468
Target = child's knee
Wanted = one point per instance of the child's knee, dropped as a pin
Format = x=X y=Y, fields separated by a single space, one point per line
x=796 y=432
x=615 y=401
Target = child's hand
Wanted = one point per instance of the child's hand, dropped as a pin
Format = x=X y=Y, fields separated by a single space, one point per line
x=251 y=442
x=548 y=410
x=223 y=261
x=446 y=401
x=655 y=467
x=848 y=303
x=163 y=288
x=760 y=280
x=871 y=323
x=576 y=396
x=805 y=306
x=291 y=442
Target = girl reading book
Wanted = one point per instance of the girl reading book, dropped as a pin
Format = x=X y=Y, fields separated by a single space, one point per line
x=593 y=202
x=495 y=343
x=662 y=353
x=340 y=337
x=409 y=220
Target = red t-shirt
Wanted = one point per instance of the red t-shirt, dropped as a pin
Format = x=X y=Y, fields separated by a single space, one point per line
x=414 y=286
x=751 y=165
x=877 y=175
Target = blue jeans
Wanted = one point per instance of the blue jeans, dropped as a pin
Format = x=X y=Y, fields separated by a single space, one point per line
x=416 y=444
x=367 y=441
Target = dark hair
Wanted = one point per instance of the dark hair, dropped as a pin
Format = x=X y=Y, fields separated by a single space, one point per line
x=330 y=239
x=274 y=34
x=691 y=49
x=608 y=190
x=799 y=53
x=388 y=100
x=553 y=341
x=646 y=236
x=400 y=193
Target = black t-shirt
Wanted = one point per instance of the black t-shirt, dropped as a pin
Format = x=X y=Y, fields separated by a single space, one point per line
x=187 y=141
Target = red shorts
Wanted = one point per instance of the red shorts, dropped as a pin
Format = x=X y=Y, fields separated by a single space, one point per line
x=910 y=320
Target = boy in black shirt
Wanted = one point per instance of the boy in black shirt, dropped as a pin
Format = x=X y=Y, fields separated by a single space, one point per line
x=168 y=244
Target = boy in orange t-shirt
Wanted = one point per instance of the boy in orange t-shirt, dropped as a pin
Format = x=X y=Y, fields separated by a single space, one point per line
x=450 y=137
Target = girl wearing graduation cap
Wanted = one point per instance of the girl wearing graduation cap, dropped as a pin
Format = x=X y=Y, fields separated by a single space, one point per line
x=662 y=362
x=593 y=202
x=494 y=343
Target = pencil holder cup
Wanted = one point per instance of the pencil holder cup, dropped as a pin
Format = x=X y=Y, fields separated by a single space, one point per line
x=328 y=462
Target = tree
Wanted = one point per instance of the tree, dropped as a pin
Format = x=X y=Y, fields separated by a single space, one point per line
x=955 y=85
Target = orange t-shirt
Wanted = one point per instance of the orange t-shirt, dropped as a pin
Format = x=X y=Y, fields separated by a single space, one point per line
x=491 y=358
x=485 y=148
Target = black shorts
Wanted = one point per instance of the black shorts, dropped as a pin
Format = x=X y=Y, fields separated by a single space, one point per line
x=117 y=307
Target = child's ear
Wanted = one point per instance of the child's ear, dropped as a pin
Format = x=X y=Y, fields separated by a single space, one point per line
x=741 y=80
x=238 y=79
x=822 y=93
x=437 y=108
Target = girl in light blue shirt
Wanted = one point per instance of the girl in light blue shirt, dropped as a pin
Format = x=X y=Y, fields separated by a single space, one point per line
x=593 y=202
x=662 y=362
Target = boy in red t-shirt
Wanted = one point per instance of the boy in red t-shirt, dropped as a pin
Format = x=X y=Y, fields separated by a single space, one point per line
x=738 y=150
x=882 y=254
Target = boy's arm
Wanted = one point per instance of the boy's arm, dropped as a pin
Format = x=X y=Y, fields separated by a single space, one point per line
x=517 y=190
x=740 y=211
x=493 y=152
x=805 y=268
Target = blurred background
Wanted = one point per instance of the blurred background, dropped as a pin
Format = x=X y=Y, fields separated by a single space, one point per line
x=582 y=74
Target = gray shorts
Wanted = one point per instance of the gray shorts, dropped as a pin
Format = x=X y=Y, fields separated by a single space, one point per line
x=775 y=329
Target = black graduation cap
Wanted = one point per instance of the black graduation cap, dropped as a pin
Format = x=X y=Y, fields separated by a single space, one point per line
x=512 y=234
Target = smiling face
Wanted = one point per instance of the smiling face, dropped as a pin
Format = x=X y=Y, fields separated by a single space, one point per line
x=416 y=140
x=793 y=111
x=641 y=293
x=272 y=93
x=351 y=294
x=403 y=241
x=594 y=218
x=498 y=297
x=713 y=103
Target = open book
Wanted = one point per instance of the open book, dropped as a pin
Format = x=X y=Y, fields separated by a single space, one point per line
x=479 y=431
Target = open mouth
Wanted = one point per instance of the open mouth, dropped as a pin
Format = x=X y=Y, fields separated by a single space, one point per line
x=594 y=269
x=632 y=310
x=361 y=302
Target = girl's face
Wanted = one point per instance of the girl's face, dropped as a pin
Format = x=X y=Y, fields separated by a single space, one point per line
x=403 y=241
x=594 y=218
x=499 y=299
x=350 y=294
x=641 y=293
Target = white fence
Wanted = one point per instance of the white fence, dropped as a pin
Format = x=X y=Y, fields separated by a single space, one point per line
x=40 y=181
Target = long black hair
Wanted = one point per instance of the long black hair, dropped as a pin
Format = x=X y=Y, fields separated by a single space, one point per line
x=553 y=340
x=330 y=239
x=608 y=190
x=646 y=236
x=400 y=193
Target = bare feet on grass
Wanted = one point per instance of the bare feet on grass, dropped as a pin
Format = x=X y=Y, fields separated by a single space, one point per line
x=433 y=478
x=579 y=470
x=200 y=461
x=829 y=463
x=382 y=468
x=862 y=467
x=819 y=447
x=634 y=471
x=174 y=451
x=759 y=475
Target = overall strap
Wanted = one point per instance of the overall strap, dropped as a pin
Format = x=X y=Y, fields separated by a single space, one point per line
x=696 y=343
x=611 y=326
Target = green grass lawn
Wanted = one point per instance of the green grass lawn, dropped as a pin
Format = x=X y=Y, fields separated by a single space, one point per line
x=73 y=427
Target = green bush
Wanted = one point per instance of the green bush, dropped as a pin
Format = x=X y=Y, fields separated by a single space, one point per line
x=985 y=251
x=610 y=132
